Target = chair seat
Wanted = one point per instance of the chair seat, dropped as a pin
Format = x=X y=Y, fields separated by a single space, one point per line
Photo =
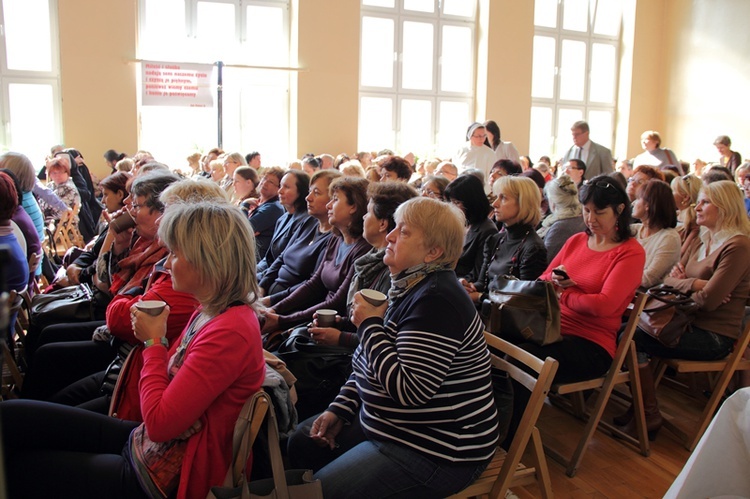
x=523 y=476
x=700 y=366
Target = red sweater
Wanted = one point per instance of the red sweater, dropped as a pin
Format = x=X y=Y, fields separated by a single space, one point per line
x=605 y=284
x=223 y=367
x=126 y=399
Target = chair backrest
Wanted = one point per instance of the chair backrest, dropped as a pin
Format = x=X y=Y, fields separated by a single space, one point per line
x=19 y=235
x=538 y=386
x=626 y=337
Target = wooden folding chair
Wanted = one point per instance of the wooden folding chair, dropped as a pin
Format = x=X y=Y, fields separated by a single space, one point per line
x=65 y=233
x=505 y=470
x=625 y=353
x=722 y=371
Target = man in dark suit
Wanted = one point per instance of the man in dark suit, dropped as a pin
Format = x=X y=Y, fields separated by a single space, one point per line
x=598 y=158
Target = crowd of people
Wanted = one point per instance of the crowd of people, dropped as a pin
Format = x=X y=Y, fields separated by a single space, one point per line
x=244 y=256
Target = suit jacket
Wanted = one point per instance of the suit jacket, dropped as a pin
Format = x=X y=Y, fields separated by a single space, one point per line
x=598 y=162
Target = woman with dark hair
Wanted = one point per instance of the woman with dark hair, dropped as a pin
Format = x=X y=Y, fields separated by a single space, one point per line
x=269 y=210
x=24 y=222
x=369 y=270
x=641 y=175
x=306 y=247
x=16 y=267
x=654 y=206
x=601 y=269
x=467 y=193
x=112 y=157
x=295 y=186
x=395 y=168
x=328 y=286
x=503 y=150
x=114 y=191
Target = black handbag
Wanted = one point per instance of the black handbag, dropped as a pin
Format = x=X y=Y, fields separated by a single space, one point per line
x=69 y=304
x=667 y=314
x=521 y=311
x=320 y=370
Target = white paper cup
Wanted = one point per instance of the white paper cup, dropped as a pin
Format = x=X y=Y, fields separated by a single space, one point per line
x=326 y=317
x=373 y=297
x=151 y=307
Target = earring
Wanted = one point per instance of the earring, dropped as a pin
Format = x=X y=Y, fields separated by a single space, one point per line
x=617 y=226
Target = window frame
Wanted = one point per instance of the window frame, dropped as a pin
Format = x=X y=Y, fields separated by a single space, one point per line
x=559 y=144
x=399 y=15
x=14 y=76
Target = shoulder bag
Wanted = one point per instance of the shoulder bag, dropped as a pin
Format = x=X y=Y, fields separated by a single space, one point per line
x=291 y=484
x=521 y=311
x=667 y=314
x=69 y=304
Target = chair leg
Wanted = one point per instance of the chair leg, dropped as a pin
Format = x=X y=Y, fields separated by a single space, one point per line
x=540 y=464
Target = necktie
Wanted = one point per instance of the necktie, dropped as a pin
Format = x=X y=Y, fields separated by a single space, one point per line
x=578 y=153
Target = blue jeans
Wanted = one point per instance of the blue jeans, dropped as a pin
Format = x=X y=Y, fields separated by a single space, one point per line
x=366 y=468
x=695 y=344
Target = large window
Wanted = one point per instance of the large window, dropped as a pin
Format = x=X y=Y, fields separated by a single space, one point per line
x=29 y=78
x=416 y=82
x=251 y=37
x=574 y=73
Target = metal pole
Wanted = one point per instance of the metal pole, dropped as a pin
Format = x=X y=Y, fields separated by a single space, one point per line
x=220 y=103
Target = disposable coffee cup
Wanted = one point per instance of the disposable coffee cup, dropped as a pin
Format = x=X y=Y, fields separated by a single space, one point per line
x=151 y=307
x=373 y=297
x=326 y=317
x=122 y=223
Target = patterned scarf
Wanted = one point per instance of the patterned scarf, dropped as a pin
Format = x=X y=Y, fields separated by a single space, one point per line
x=406 y=280
x=135 y=268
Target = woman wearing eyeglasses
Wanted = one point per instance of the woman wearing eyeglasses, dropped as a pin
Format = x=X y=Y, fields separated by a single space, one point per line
x=434 y=186
x=595 y=274
x=475 y=154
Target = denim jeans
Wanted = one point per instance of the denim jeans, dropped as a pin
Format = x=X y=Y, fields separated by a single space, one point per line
x=365 y=468
x=695 y=344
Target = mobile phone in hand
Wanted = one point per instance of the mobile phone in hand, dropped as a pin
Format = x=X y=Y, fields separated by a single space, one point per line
x=561 y=274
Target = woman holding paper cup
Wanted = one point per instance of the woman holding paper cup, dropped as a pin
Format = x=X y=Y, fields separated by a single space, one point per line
x=190 y=400
x=421 y=391
x=328 y=286
x=370 y=273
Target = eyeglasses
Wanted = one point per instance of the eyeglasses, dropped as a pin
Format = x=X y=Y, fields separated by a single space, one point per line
x=137 y=206
x=430 y=193
x=481 y=136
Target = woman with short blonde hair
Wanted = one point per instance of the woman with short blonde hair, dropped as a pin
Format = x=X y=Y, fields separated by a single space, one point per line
x=517 y=250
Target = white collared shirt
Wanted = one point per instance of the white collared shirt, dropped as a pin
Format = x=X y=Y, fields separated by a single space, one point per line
x=710 y=244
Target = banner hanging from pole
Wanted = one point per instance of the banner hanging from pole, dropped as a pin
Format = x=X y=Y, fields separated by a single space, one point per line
x=177 y=84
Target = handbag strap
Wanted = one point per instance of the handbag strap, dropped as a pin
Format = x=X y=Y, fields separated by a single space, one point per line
x=245 y=431
x=669 y=295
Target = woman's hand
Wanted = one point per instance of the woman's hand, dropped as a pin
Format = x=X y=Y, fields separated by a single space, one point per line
x=325 y=429
x=468 y=286
x=362 y=309
x=266 y=301
x=678 y=272
x=73 y=273
x=272 y=322
x=324 y=335
x=475 y=296
x=561 y=282
x=149 y=327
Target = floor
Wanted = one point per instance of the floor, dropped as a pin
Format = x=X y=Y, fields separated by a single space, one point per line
x=610 y=468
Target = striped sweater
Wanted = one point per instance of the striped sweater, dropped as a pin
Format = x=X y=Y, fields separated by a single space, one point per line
x=422 y=375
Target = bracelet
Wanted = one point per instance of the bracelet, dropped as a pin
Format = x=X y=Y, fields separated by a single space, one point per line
x=161 y=341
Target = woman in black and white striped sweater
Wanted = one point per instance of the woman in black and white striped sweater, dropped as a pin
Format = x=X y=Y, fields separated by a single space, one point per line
x=417 y=416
